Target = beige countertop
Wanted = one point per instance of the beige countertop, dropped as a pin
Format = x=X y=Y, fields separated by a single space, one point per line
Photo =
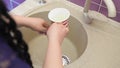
x=103 y=49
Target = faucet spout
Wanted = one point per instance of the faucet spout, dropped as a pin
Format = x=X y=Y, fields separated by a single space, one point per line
x=111 y=8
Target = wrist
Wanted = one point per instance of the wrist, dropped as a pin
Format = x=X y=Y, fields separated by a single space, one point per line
x=54 y=41
x=20 y=20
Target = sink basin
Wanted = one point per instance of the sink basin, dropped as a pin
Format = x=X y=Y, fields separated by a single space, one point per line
x=73 y=45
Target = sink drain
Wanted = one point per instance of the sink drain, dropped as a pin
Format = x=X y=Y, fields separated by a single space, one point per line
x=65 y=60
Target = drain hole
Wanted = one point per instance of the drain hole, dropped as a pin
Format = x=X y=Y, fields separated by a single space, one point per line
x=65 y=60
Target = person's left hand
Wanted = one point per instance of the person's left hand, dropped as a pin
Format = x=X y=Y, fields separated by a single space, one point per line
x=39 y=25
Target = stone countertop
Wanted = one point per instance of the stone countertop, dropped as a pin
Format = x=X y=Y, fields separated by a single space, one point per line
x=103 y=36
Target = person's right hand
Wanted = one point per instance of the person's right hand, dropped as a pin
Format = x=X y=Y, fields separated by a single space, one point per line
x=57 y=32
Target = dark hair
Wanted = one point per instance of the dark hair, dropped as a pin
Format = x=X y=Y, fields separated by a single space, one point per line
x=8 y=29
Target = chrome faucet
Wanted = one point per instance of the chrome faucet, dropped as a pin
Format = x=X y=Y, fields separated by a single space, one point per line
x=42 y=2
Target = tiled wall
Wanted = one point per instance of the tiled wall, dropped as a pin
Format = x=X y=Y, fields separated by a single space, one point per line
x=99 y=5
x=12 y=3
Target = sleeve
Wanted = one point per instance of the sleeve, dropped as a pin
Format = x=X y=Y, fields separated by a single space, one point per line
x=8 y=58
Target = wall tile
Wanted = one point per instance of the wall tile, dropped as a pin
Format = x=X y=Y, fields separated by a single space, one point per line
x=97 y=1
x=12 y=3
x=78 y=2
x=94 y=6
x=101 y=7
x=104 y=11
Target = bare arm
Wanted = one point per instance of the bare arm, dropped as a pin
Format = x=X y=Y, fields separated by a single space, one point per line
x=53 y=56
x=36 y=24
x=56 y=34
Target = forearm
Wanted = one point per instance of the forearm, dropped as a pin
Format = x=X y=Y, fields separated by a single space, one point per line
x=54 y=56
x=20 y=20
x=26 y=21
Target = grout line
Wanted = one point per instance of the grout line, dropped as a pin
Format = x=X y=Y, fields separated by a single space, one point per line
x=118 y=11
x=15 y=2
x=119 y=8
x=100 y=5
x=12 y=2
x=11 y=5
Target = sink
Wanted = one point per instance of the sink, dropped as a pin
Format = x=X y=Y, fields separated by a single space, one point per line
x=98 y=48
x=73 y=45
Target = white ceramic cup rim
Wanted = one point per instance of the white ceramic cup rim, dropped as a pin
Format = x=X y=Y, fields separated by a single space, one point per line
x=52 y=15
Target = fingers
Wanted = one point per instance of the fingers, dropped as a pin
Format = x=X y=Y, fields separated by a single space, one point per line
x=46 y=25
x=65 y=23
x=45 y=33
x=44 y=28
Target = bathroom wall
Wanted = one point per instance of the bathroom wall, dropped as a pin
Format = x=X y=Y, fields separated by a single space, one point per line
x=96 y=5
x=12 y=3
x=99 y=5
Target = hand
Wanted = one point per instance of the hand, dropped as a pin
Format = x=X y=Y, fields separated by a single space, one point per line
x=39 y=25
x=57 y=31
x=36 y=24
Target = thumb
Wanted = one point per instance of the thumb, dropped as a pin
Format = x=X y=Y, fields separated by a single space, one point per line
x=46 y=25
x=44 y=28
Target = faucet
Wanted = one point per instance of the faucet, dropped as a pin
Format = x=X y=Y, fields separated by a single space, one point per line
x=86 y=16
x=42 y=2
x=111 y=8
x=110 y=5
